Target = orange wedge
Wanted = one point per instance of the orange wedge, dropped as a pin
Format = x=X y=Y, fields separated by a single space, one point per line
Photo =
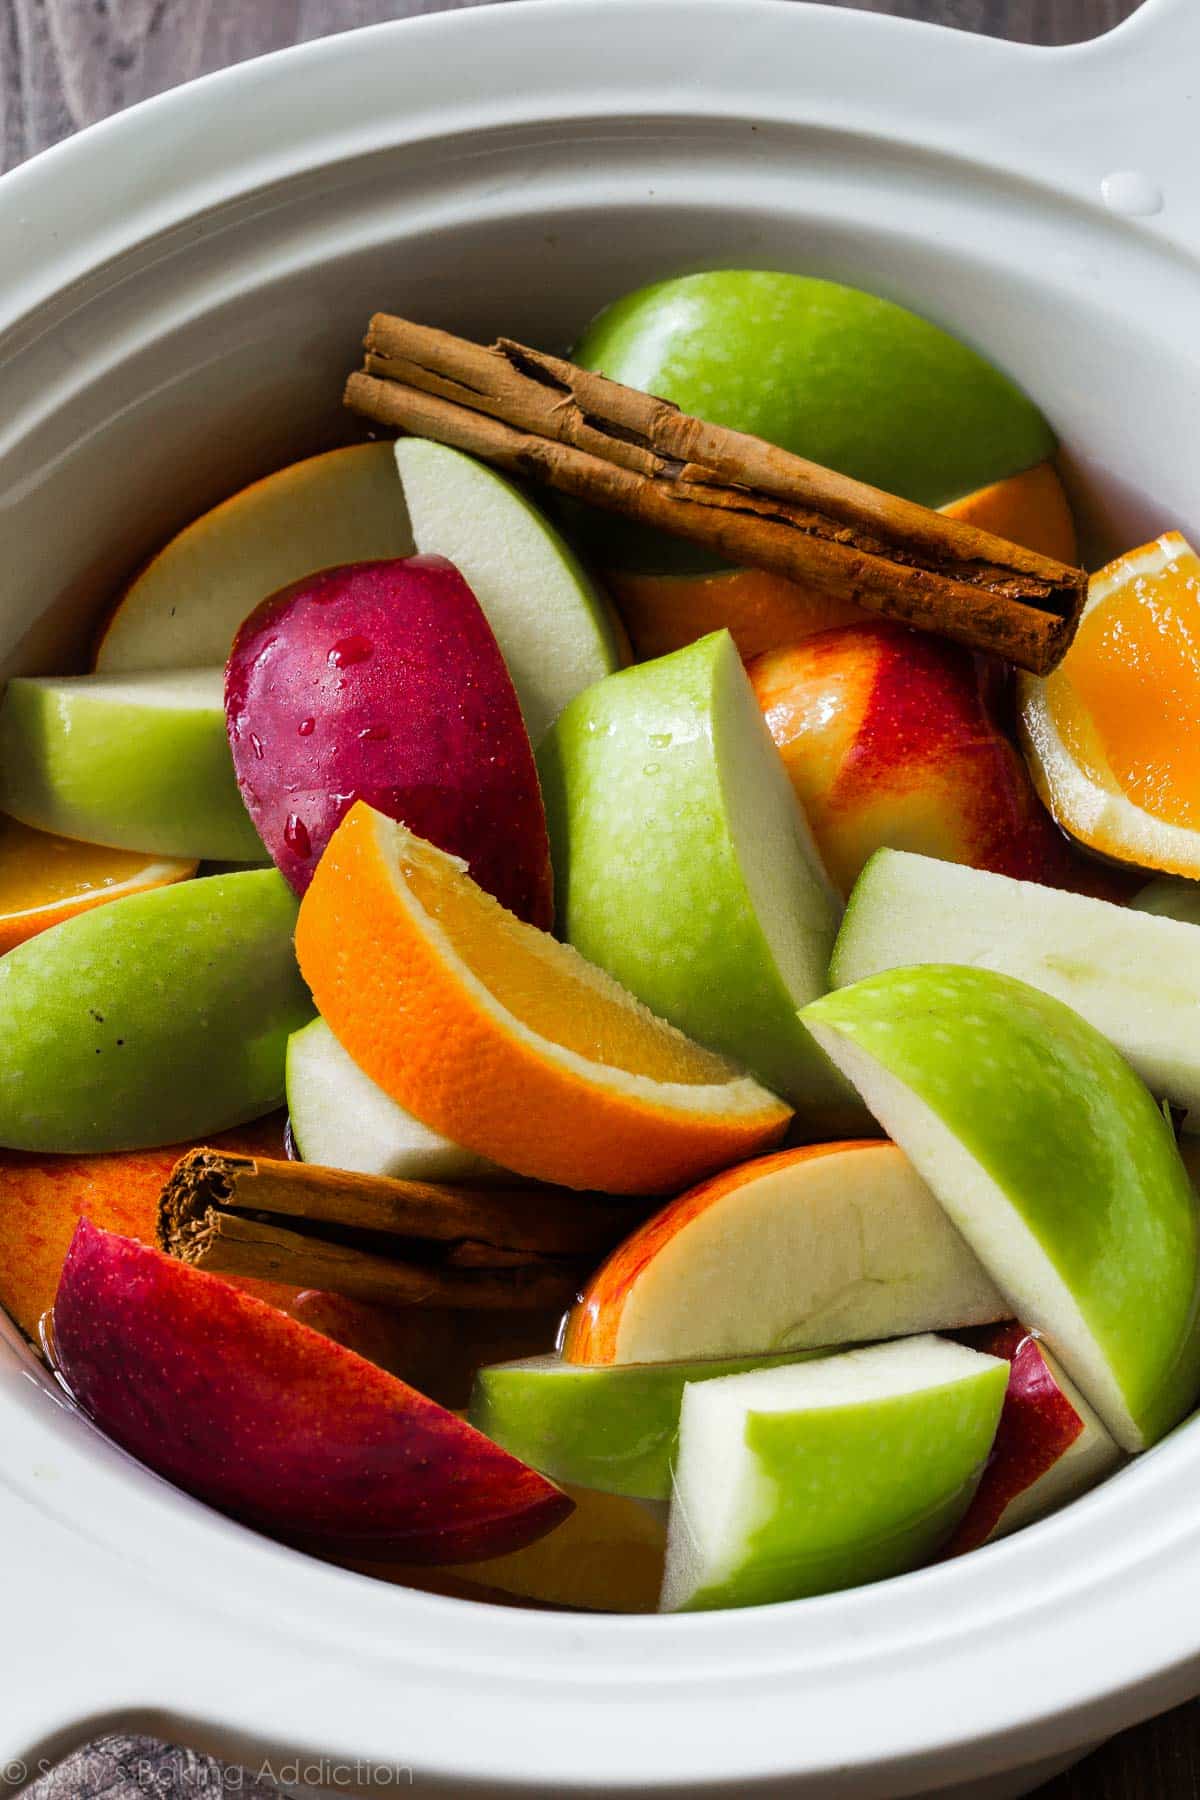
x=45 y=879
x=503 y=1039
x=1030 y=508
x=1113 y=735
x=764 y=611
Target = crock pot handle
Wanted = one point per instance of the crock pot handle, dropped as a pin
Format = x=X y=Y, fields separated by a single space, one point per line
x=1125 y=118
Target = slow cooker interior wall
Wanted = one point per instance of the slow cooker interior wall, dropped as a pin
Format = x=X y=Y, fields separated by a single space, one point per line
x=210 y=356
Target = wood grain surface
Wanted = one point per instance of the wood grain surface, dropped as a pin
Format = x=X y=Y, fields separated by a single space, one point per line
x=65 y=64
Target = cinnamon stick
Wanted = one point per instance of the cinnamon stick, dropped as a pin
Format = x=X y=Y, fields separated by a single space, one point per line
x=400 y=1243
x=543 y=418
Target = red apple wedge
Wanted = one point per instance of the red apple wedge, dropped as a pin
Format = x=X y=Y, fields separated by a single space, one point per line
x=275 y=1424
x=1049 y=1448
x=383 y=682
x=825 y=1245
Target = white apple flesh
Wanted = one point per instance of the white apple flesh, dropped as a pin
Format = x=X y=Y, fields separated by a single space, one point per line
x=342 y=1119
x=1134 y=976
x=554 y=626
x=825 y=1245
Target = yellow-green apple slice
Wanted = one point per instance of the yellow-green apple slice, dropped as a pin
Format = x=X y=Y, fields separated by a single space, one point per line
x=1053 y=1160
x=1133 y=976
x=611 y=1428
x=182 y=610
x=153 y=1020
x=552 y=623
x=828 y=1474
x=342 y=1119
x=272 y=1422
x=137 y=762
x=685 y=867
x=1050 y=1446
x=823 y=1245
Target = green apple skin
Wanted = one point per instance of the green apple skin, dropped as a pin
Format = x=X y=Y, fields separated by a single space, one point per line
x=157 y=1018
x=1055 y=1163
x=685 y=867
x=834 y=374
x=613 y=1428
x=779 y=1499
x=137 y=762
x=555 y=628
x=1134 y=976
x=341 y=1118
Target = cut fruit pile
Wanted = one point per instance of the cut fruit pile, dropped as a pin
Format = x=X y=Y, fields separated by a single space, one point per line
x=547 y=936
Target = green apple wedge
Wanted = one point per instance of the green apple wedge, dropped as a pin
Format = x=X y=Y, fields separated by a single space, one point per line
x=555 y=628
x=1135 y=977
x=835 y=374
x=154 y=1019
x=342 y=1119
x=829 y=1474
x=137 y=762
x=613 y=1428
x=1052 y=1159
x=685 y=867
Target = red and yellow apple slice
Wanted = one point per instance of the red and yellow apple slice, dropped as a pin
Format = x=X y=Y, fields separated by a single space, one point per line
x=283 y=1428
x=889 y=738
x=829 y=1244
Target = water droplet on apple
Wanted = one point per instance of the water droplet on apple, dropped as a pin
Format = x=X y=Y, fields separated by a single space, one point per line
x=349 y=650
x=256 y=745
x=374 y=734
x=295 y=835
x=306 y=727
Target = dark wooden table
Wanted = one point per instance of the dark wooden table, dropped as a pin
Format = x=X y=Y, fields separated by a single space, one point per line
x=66 y=63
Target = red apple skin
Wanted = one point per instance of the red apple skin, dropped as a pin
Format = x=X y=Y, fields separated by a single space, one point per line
x=383 y=682
x=273 y=1423
x=1038 y=1425
x=889 y=739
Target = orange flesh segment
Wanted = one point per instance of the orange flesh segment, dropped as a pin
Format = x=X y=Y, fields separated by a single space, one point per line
x=1127 y=697
x=44 y=879
x=529 y=975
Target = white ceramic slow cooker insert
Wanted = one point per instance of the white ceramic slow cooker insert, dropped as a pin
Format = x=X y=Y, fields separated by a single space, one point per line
x=184 y=288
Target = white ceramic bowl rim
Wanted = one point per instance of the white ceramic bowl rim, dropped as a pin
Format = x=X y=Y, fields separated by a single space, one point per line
x=1055 y=1635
